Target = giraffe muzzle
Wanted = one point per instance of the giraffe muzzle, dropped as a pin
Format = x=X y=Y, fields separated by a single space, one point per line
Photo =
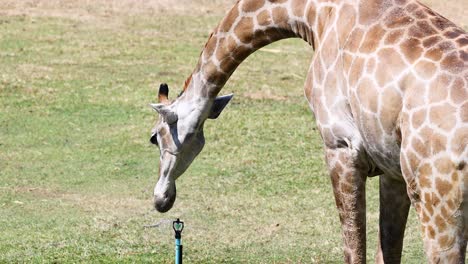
x=164 y=202
x=164 y=194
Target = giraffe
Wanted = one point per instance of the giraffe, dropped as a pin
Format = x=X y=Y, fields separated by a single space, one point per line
x=388 y=86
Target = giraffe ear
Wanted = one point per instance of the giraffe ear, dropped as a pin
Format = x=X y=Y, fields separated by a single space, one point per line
x=218 y=105
x=168 y=115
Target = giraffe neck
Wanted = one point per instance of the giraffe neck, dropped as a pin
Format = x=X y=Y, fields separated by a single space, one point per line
x=252 y=24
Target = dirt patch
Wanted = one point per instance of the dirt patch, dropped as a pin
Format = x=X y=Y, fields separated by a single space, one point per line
x=265 y=95
x=34 y=71
x=89 y=203
x=89 y=10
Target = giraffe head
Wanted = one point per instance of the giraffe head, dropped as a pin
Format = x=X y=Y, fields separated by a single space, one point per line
x=179 y=135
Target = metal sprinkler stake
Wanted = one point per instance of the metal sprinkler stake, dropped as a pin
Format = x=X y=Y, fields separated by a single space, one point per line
x=178 y=226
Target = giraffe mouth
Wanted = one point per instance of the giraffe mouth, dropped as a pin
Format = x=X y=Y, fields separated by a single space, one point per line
x=164 y=204
x=165 y=189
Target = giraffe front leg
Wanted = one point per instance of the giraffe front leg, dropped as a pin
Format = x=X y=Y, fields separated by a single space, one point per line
x=394 y=208
x=443 y=215
x=438 y=192
x=348 y=179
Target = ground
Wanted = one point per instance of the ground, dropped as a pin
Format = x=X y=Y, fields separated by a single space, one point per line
x=77 y=170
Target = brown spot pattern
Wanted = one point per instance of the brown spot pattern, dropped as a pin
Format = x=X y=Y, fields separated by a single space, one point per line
x=356 y=70
x=251 y=6
x=372 y=39
x=368 y=95
x=298 y=7
x=429 y=42
x=209 y=47
x=390 y=109
x=348 y=16
x=371 y=10
x=464 y=112
x=453 y=63
x=425 y=173
x=229 y=20
x=264 y=19
x=438 y=88
x=434 y=54
x=393 y=37
x=443 y=116
x=311 y=14
x=397 y=18
x=411 y=49
x=280 y=17
x=460 y=140
x=425 y=69
x=390 y=64
x=437 y=142
x=244 y=29
x=431 y=232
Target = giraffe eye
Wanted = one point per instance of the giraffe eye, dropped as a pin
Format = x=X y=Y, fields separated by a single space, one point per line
x=154 y=139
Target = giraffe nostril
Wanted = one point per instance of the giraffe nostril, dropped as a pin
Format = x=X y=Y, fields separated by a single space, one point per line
x=164 y=203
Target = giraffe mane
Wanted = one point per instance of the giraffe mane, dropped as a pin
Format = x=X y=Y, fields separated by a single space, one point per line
x=187 y=82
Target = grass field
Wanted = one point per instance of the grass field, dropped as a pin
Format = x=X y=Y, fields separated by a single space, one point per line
x=77 y=171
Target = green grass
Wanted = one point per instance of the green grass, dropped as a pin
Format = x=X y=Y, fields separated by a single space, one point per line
x=77 y=170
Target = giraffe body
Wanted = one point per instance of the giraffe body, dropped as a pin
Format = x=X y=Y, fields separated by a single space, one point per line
x=388 y=85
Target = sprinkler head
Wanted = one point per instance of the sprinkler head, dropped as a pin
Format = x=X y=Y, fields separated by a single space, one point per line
x=178 y=226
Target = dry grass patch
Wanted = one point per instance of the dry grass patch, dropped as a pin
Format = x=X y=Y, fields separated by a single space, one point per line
x=101 y=204
x=264 y=95
x=91 y=9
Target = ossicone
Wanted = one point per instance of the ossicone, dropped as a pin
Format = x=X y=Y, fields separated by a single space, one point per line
x=163 y=94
